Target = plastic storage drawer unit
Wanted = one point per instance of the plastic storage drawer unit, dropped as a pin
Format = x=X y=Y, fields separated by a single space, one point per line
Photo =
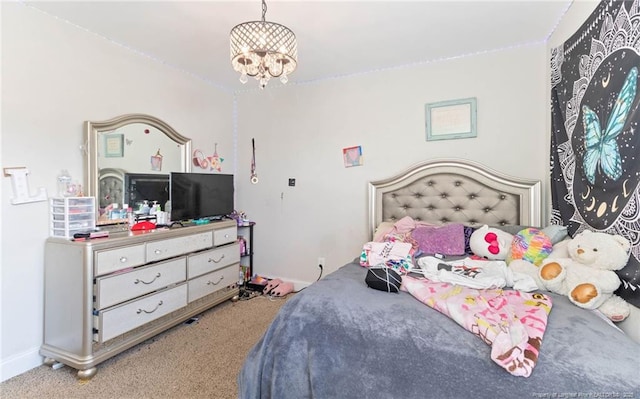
x=70 y=215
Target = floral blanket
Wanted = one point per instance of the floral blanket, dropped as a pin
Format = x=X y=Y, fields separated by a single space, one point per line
x=511 y=322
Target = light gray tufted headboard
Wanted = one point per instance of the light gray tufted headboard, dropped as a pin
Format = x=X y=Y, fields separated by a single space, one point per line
x=111 y=186
x=455 y=190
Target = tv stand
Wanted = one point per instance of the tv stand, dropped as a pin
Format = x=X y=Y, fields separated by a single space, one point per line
x=105 y=296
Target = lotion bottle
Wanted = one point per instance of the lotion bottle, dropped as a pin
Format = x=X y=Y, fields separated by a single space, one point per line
x=154 y=208
x=145 y=207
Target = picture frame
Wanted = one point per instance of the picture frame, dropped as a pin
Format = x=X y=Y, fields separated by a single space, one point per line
x=114 y=145
x=454 y=119
x=352 y=156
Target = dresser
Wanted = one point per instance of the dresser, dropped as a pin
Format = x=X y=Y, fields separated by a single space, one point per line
x=106 y=295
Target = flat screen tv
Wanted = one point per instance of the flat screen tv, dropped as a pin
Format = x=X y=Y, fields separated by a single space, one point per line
x=145 y=186
x=200 y=196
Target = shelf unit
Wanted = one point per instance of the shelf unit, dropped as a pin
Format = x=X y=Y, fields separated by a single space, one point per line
x=246 y=251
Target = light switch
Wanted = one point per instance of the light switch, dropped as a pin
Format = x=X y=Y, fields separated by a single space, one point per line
x=292 y=182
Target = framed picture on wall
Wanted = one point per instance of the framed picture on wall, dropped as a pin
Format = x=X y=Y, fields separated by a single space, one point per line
x=455 y=119
x=352 y=156
x=114 y=145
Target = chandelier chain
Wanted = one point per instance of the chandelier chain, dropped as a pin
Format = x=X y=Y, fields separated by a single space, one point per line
x=264 y=9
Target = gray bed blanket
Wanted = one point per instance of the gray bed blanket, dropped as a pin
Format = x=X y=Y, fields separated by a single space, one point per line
x=340 y=339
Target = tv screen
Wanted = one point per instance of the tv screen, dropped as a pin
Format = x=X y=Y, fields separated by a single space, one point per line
x=145 y=186
x=200 y=195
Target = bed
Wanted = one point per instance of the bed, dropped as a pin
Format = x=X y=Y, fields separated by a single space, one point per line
x=338 y=338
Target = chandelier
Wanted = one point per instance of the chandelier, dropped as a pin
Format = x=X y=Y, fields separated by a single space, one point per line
x=263 y=50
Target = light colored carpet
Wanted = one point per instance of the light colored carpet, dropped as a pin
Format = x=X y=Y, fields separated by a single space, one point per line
x=198 y=360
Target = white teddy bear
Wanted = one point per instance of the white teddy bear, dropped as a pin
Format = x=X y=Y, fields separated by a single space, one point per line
x=583 y=269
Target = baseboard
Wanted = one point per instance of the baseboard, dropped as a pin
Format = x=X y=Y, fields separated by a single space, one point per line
x=299 y=285
x=19 y=363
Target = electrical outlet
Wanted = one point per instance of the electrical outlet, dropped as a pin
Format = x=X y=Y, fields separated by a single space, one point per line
x=321 y=263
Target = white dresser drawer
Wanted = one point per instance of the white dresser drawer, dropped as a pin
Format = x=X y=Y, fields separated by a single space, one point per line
x=211 y=260
x=212 y=282
x=163 y=249
x=225 y=236
x=116 y=288
x=120 y=319
x=111 y=260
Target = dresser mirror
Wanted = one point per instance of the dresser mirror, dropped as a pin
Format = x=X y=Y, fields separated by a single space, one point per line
x=128 y=144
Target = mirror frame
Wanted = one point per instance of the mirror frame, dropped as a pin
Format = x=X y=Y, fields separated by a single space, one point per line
x=93 y=128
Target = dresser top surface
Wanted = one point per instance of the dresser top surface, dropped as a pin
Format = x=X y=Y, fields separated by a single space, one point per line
x=134 y=237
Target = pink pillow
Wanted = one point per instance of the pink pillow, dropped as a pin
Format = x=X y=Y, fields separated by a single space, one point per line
x=445 y=240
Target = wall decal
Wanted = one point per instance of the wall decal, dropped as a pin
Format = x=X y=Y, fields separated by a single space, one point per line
x=200 y=160
x=156 y=161
x=215 y=161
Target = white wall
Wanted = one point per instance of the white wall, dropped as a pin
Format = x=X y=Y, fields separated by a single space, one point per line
x=575 y=16
x=300 y=132
x=54 y=77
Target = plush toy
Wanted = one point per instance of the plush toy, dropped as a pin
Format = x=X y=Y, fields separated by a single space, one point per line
x=531 y=245
x=273 y=283
x=587 y=275
x=282 y=289
x=490 y=243
x=277 y=287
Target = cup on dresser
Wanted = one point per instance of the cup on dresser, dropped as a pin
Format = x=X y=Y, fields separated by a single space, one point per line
x=162 y=217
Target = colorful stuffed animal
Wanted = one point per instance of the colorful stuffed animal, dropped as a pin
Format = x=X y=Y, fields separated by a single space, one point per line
x=530 y=244
x=587 y=276
x=490 y=243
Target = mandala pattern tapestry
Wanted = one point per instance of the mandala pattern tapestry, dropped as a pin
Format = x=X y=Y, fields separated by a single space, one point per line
x=595 y=142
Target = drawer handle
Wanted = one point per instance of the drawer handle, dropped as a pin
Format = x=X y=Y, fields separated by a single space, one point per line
x=144 y=282
x=150 y=311
x=226 y=236
x=123 y=259
x=216 y=261
x=157 y=252
x=217 y=282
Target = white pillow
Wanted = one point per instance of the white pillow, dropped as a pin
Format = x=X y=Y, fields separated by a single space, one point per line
x=556 y=232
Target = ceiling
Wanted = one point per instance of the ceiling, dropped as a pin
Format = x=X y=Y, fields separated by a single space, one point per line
x=335 y=38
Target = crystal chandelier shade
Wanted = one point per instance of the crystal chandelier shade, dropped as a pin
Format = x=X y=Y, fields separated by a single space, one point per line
x=263 y=50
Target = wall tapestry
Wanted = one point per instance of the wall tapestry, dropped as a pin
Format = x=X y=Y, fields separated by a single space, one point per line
x=595 y=142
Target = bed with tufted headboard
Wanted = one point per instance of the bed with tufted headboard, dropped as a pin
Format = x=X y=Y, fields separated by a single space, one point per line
x=340 y=339
x=446 y=191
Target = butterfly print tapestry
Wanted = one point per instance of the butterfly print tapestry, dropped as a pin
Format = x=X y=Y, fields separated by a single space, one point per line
x=595 y=142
